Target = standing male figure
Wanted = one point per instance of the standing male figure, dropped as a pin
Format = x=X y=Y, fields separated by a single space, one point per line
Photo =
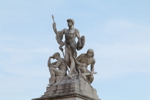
x=70 y=44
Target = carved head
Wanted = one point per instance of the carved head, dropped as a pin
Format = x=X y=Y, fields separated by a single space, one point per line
x=56 y=55
x=90 y=53
x=70 y=22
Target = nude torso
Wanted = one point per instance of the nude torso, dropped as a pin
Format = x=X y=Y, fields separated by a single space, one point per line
x=70 y=36
x=86 y=60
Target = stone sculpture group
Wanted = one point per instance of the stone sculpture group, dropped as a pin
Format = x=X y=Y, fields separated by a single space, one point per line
x=70 y=78
x=71 y=63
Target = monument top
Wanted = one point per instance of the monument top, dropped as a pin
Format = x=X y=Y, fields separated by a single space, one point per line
x=70 y=77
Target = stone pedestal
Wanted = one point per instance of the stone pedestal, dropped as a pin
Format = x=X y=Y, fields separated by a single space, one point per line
x=67 y=88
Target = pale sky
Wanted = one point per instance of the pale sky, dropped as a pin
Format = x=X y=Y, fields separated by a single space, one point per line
x=117 y=30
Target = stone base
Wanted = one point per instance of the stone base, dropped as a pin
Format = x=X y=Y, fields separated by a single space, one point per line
x=66 y=97
x=70 y=89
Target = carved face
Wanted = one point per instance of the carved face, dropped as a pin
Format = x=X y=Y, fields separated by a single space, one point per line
x=90 y=53
x=56 y=55
x=70 y=23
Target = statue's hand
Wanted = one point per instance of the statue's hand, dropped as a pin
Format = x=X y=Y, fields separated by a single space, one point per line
x=92 y=72
x=60 y=47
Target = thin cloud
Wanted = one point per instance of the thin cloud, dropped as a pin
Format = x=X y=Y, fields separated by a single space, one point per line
x=122 y=59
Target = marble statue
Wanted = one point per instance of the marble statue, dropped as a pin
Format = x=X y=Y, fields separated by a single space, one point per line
x=70 y=78
x=57 y=68
x=70 y=44
x=83 y=61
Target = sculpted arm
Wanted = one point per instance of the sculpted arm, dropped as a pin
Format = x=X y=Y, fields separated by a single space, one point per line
x=49 y=62
x=77 y=33
x=59 y=34
x=79 y=58
x=92 y=65
x=81 y=40
x=57 y=64
x=59 y=37
x=55 y=29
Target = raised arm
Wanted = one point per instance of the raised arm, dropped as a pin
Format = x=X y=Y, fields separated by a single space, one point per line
x=49 y=61
x=59 y=35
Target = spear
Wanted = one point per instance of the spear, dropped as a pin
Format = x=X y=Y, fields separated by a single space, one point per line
x=53 y=18
x=60 y=47
x=54 y=26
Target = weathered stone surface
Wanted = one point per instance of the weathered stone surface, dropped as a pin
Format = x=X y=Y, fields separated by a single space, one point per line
x=70 y=89
x=70 y=44
x=76 y=85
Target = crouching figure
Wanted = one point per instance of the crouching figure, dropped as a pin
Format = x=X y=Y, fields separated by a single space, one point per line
x=83 y=61
x=57 y=68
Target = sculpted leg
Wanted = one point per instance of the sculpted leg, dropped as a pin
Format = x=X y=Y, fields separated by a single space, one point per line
x=83 y=70
x=67 y=57
x=72 y=65
x=90 y=78
x=58 y=72
x=52 y=79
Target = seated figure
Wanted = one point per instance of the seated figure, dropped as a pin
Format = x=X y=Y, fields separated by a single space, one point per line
x=83 y=61
x=57 y=68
